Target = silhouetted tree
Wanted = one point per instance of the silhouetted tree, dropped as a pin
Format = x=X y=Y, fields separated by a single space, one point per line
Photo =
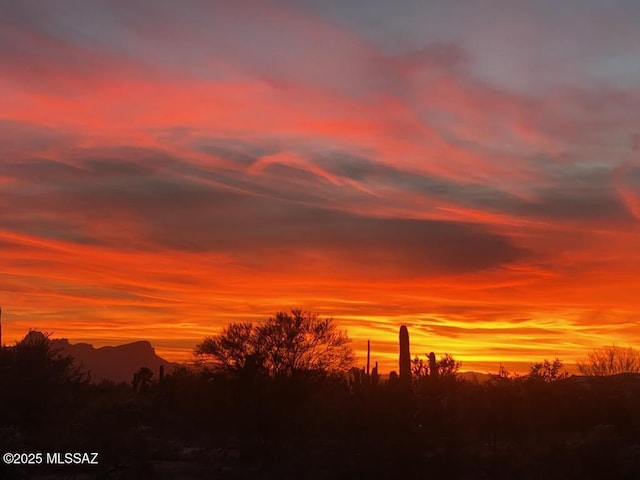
x=448 y=366
x=419 y=367
x=285 y=344
x=503 y=372
x=39 y=384
x=548 y=371
x=232 y=347
x=611 y=361
x=303 y=341
x=142 y=379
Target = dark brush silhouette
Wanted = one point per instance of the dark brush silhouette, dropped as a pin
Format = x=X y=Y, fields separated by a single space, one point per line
x=141 y=380
x=39 y=384
x=447 y=366
x=548 y=371
x=249 y=422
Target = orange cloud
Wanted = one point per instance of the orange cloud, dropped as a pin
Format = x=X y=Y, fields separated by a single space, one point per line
x=272 y=159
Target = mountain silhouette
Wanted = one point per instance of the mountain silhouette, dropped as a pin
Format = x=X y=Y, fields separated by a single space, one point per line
x=117 y=363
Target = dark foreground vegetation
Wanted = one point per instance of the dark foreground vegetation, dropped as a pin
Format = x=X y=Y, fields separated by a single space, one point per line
x=244 y=421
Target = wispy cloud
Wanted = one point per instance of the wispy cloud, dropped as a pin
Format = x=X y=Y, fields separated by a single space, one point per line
x=199 y=163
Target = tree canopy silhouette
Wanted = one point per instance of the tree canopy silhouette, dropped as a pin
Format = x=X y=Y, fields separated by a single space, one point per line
x=549 y=371
x=286 y=343
x=38 y=383
x=611 y=361
x=142 y=379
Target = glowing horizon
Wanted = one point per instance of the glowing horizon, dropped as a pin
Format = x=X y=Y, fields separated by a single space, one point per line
x=471 y=171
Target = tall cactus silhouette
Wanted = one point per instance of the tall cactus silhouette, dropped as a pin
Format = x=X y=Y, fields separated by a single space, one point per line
x=405 y=356
x=375 y=377
x=368 y=355
x=433 y=365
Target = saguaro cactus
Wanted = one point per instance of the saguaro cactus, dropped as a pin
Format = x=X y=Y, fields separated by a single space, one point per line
x=375 y=378
x=368 y=355
x=405 y=356
x=433 y=365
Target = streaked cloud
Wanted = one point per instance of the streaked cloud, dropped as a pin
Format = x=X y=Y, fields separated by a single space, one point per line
x=471 y=171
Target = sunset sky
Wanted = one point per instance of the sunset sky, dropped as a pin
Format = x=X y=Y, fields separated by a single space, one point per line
x=470 y=169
